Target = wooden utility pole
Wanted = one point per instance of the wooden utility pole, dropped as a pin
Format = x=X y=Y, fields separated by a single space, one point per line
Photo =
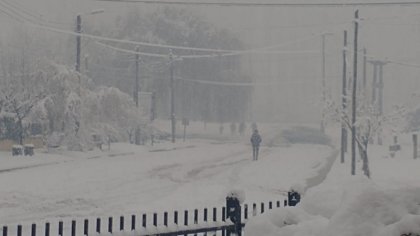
x=378 y=89
x=364 y=71
x=78 y=41
x=137 y=134
x=136 y=88
x=381 y=88
x=415 y=146
x=323 y=85
x=354 y=107
x=173 y=121
x=374 y=82
x=344 y=100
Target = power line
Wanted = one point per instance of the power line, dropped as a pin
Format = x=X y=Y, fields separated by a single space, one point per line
x=267 y=4
x=390 y=61
x=19 y=9
x=208 y=55
x=233 y=52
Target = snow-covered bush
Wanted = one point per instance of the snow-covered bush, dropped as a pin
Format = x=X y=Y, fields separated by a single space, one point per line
x=66 y=102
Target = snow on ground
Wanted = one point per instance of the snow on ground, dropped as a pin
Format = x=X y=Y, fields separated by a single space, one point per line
x=386 y=204
x=131 y=179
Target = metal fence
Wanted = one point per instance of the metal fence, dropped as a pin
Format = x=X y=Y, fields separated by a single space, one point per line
x=226 y=220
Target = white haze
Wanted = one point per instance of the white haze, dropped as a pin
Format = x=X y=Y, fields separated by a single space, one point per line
x=387 y=32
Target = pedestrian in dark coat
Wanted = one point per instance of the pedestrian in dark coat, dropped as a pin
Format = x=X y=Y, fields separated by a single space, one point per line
x=255 y=141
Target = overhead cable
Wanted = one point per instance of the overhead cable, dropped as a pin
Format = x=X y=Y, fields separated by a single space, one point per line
x=53 y=29
x=101 y=38
x=208 y=55
x=269 y=4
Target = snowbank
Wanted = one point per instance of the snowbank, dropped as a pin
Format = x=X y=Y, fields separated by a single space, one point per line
x=354 y=207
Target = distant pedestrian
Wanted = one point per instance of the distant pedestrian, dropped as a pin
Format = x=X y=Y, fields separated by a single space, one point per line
x=254 y=126
x=242 y=128
x=255 y=141
x=221 y=128
x=233 y=128
x=108 y=142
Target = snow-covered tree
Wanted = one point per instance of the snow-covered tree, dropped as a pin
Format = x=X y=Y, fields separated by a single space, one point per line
x=18 y=98
x=368 y=123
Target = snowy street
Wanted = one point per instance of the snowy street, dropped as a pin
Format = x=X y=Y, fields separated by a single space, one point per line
x=142 y=179
x=209 y=117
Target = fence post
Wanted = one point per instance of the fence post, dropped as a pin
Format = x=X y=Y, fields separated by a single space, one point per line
x=19 y=230
x=155 y=219
x=98 y=225
x=205 y=215
x=176 y=217
x=121 y=223
x=86 y=227
x=165 y=219
x=214 y=214
x=133 y=222
x=185 y=218
x=195 y=216
x=19 y=233
x=33 y=230
x=223 y=214
x=415 y=146
x=73 y=228
x=293 y=198
x=234 y=213
x=60 y=228
x=246 y=211
x=110 y=225
x=47 y=229
x=143 y=220
x=4 y=230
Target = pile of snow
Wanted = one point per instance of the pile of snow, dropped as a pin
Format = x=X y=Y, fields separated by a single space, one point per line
x=354 y=207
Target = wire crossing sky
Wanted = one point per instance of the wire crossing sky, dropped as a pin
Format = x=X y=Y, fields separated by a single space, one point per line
x=269 y=4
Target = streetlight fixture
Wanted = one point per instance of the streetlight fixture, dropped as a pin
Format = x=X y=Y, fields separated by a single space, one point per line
x=79 y=31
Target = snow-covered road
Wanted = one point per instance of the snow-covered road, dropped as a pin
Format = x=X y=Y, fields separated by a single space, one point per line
x=142 y=179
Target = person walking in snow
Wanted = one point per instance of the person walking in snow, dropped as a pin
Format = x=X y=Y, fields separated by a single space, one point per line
x=242 y=127
x=255 y=141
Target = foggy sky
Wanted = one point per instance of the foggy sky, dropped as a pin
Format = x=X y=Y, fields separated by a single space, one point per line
x=387 y=33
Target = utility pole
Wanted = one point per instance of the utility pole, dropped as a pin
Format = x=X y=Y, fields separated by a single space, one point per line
x=378 y=84
x=78 y=40
x=344 y=100
x=381 y=88
x=136 y=88
x=374 y=81
x=353 y=119
x=137 y=134
x=323 y=83
x=381 y=95
x=86 y=58
x=364 y=70
x=377 y=96
x=173 y=121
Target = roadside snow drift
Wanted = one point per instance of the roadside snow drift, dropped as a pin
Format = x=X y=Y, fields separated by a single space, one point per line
x=354 y=207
